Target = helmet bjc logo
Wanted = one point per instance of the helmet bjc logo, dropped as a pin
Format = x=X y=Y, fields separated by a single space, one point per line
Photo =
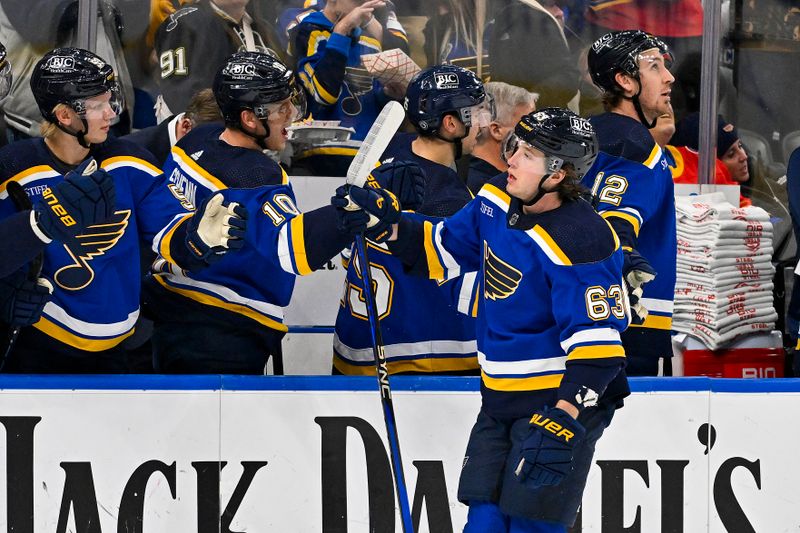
x=580 y=124
x=61 y=62
x=447 y=80
x=240 y=69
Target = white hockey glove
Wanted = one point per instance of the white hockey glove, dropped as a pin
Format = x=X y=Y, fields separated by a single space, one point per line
x=216 y=228
x=637 y=271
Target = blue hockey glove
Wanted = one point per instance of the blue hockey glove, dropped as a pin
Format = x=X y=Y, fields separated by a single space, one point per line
x=215 y=229
x=22 y=300
x=380 y=205
x=546 y=454
x=86 y=196
x=404 y=179
x=636 y=271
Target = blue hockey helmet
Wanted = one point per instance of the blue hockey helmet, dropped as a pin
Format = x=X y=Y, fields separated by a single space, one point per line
x=440 y=90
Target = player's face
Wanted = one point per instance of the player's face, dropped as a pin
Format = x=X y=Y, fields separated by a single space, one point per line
x=525 y=170
x=281 y=115
x=736 y=161
x=99 y=115
x=656 y=81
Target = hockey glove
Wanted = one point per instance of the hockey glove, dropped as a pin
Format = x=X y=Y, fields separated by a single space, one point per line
x=86 y=196
x=546 y=454
x=215 y=229
x=636 y=271
x=22 y=300
x=381 y=206
x=404 y=179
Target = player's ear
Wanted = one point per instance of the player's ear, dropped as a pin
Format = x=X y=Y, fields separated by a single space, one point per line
x=63 y=114
x=628 y=83
x=247 y=118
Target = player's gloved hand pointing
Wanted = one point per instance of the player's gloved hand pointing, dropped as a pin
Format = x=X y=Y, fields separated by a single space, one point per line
x=85 y=197
x=636 y=271
x=404 y=179
x=546 y=454
x=22 y=299
x=381 y=206
x=216 y=228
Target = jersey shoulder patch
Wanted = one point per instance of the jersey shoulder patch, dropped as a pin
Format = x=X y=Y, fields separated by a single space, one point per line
x=574 y=234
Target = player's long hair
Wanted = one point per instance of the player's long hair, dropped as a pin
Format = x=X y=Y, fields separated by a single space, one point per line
x=570 y=187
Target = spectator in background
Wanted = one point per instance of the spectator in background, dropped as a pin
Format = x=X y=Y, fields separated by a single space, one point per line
x=793 y=313
x=193 y=42
x=160 y=139
x=30 y=28
x=327 y=46
x=508 y=103
x=528 y=48
x=731 y=162
x=452 y=35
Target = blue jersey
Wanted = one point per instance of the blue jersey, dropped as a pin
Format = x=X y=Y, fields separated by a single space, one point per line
x=427 y=326
x=553 y=302
x=96 y=276
x=255 y=283
x=633 y=185
x=329 y=67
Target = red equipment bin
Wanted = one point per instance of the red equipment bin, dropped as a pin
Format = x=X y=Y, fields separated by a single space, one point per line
x=735 y=363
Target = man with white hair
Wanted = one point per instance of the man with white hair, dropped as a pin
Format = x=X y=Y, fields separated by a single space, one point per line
x=508 y=103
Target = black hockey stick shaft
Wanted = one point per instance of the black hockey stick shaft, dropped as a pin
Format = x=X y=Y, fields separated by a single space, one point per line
x=22 y=203
x=383 y=384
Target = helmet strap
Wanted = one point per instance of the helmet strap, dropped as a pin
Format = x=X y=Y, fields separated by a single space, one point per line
x=261 y=140
x=637 y=105
x=539 y=194
x=456 y=142
x=80 y=135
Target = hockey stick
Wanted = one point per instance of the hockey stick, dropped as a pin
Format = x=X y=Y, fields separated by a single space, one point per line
x=23 y=203
x=372 y=147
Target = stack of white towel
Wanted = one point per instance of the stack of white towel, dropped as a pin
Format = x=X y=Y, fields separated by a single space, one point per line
x=724 y=283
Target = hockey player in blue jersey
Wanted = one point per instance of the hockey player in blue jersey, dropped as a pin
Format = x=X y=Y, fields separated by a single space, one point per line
x=552 y=307
x=327 y=44
x=229 y=318
x=95 y=201
x=633 y=187
x=444 y=104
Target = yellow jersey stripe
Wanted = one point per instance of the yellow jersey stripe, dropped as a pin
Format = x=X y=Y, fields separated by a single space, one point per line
x=551 y=244
x=299 y=246
x=350 y=152
x=129 y=159
x=222 y=304
x=655 y=322
x=82 y=343
x=550 y=381
x=502 y=195
x=597 y=351
x=163 y=247
x=426 y=365
x=435 y=267
x=630 y=219
x=653 y=157
x=191 y=163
